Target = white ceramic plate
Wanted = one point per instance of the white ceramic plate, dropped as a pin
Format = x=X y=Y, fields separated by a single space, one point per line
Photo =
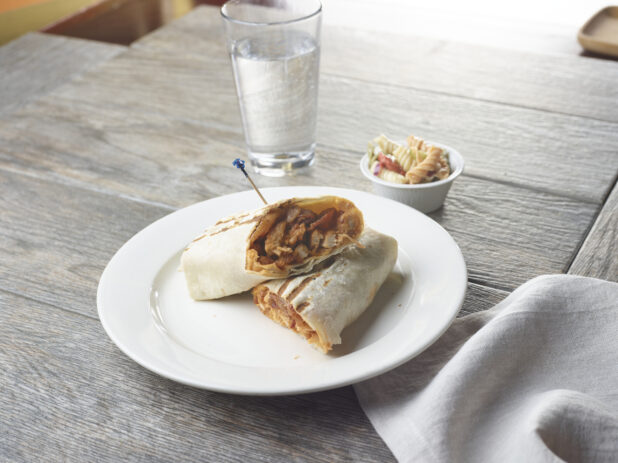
x=227 y=345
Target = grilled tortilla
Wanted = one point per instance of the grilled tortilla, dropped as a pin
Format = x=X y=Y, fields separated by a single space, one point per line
x=281 y=239
x=319 y=305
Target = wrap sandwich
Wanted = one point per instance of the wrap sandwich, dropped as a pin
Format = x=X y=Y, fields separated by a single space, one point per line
x=285 y=238
x=319 y=305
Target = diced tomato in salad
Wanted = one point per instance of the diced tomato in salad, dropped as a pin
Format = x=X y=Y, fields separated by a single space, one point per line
x=388 y=162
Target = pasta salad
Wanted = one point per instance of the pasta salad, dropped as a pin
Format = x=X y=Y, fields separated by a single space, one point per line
x=413 y=163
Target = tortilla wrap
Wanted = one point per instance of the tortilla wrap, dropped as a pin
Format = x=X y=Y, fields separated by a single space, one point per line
x=246 y=249
x=319 y=305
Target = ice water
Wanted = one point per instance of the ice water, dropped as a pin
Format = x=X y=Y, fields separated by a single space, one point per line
x=277 y=83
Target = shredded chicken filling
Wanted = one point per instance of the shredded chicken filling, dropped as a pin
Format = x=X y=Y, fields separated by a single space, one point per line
x=280 y=311
x=298 y=233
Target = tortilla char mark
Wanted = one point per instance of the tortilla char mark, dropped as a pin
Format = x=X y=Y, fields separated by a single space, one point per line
x=216 y=231
x=284 y=286
x=303 y=284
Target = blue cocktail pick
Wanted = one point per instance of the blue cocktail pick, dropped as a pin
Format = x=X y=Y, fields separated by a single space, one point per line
x=240 y=164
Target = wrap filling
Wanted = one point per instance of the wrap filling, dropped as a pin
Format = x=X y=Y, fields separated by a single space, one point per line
x=292 y=234
x=282 y=312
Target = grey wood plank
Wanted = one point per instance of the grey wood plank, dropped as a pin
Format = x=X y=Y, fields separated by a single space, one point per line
x=508 y=235
x=405 y=19
x=557 y=83
x=160 y=159
x=598 y=256
x=479 y=298
x=36 y=63
x=56 y=239
x=539 y=150
x=568 y=155
x=70 y=395
x=529 y=26
x=83 y=399
x=551 y=82
x=73 y=396
x=155 y=145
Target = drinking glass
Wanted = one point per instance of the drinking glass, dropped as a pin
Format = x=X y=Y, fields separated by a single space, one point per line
x=274 y=46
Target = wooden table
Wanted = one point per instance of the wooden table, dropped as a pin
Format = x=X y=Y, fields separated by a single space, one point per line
x=97 y=141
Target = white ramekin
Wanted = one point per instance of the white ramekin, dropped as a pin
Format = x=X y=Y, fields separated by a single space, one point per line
x=425 y=197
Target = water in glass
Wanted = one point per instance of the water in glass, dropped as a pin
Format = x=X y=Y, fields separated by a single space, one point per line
x=276 y=76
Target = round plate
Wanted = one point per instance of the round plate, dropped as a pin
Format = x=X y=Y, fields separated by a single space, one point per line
x=227 y=345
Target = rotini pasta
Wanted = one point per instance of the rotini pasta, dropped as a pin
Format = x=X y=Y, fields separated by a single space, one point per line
x=445 y=169
x=405 y=156
x=418 y=148
x=426 y=170
x=387 y=146
x=416 y=143
x=419 y=161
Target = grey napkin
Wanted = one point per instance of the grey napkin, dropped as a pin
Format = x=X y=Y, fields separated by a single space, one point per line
x=533 y=379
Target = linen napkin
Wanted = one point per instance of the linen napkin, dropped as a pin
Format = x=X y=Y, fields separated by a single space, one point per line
x=533 y=379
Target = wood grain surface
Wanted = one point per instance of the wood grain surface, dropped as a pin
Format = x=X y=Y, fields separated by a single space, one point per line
x=109 y=130
x=479 y=297
x=598 y=256
x=538 y=150
x=35 y=64
x=407 y=21
x=513 y=226
x=70 y=395
x=559 y=153
x=528 y=25
x=441 y=66
x=64 y=378
x=91 y=155
x=57 y=238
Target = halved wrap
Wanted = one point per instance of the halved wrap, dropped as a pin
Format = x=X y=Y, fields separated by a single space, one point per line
x=281 y=239
x=319 y=305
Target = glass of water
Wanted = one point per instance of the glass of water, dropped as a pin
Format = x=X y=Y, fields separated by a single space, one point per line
x=275 y=50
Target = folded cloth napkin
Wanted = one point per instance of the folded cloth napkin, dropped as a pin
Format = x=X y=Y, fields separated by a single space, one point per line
x=533 y=379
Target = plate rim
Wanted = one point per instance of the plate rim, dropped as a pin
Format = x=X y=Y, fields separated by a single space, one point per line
x=244 y=390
